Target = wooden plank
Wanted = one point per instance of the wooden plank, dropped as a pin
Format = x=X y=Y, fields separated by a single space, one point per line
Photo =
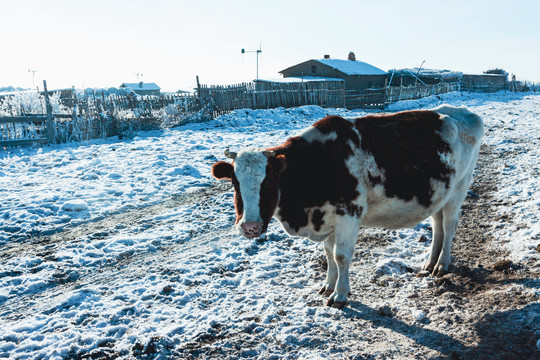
x=23 y=142
x=59 y=116
x=48 y=107
x=22 y=119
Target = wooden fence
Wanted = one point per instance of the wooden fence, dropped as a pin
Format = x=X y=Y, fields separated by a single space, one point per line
x=272 y=95
x=24 y=130
x=29 y=129
x=399 y=93
x=370 y=98
x=224 y=99
x=101 y=115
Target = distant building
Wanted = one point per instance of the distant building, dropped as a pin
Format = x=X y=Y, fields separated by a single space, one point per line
x=143 y=88
x=357 y=75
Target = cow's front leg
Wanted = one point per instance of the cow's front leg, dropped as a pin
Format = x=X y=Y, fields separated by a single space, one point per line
x=346 y=234
x=331 y=271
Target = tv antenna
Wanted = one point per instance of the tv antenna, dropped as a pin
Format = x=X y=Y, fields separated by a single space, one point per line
x=255 y=51
x=33 y=71
x=139 y=75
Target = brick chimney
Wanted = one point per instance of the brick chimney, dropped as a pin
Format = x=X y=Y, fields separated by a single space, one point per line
x=327 y=56
x=352 y=56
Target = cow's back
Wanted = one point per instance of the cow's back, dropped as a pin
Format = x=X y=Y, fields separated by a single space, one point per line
x=413 y=161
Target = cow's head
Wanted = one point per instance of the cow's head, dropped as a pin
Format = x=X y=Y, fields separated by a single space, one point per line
x=255 y=175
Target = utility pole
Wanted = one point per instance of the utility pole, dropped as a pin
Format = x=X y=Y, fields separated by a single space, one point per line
x=33 y=71
x=255 y=51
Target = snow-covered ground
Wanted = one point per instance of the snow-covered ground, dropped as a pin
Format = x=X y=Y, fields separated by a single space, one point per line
x=126 y=249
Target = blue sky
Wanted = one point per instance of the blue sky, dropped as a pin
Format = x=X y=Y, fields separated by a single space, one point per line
x=98 y=43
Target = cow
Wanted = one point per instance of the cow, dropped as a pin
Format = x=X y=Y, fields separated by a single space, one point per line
x=338 y=175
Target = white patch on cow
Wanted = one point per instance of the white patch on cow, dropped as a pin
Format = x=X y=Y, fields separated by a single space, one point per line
x=250 y=170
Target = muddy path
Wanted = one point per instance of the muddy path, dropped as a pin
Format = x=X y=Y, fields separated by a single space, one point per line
x=486 y=298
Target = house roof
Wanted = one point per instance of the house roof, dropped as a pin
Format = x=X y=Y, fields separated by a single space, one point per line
x=348 y=67
x=141 y=86
x=352 y=67
x=429 y=73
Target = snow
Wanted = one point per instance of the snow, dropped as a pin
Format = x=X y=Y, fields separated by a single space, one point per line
x=135 y=247
x=434 y=73
x=350 y=67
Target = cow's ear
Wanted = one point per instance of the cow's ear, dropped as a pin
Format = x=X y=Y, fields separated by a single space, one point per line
x=279 y=163
x=222 y=170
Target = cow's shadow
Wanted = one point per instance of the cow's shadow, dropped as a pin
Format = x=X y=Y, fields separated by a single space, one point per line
x=510 y=334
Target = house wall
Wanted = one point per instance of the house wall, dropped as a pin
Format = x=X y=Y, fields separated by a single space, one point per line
x=362 y=82
x=352 y=82
x=147 y=92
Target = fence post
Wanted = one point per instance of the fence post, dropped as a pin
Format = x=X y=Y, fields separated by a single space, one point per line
x=48 y=107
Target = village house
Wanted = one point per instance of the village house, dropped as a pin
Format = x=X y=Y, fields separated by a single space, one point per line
x=357 y=75
x=141 y=88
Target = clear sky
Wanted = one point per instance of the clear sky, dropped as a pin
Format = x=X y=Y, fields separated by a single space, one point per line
x=102 y=43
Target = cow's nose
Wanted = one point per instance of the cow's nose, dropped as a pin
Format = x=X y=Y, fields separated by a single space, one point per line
x=251 y=229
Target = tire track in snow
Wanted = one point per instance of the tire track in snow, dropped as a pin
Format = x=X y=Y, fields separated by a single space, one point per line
x=102 y=227
x=110 y=270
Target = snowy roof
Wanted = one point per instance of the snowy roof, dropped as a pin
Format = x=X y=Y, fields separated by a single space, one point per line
x=141 y=86
x=429 y=73
x=352 y=67
x=297 y=79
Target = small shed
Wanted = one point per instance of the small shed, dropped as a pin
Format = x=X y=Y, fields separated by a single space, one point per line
x=141 y=88
x=357 y=75
x=483 y=82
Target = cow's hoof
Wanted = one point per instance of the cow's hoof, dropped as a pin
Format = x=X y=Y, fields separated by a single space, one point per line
x=428 y=267
x=423 y=273
x=326 y=291
x=335 y=301
x=439 y=272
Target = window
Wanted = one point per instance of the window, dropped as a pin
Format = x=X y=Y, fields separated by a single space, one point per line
x=313 y=69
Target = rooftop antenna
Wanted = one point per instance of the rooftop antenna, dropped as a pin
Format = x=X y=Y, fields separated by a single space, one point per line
x=33 y=71
x=420 y=68
x=255 y=51
x=139 y=75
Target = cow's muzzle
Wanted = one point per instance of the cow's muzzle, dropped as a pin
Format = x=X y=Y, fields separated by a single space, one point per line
x=251 y=229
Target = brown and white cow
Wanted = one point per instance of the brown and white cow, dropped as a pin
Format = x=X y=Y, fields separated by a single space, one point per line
x=390 y=171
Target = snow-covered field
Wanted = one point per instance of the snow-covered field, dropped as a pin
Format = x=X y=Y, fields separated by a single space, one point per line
x=125 y=249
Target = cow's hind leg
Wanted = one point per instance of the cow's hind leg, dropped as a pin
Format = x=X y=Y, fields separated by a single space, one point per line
x=450 y=220
x=332 y=271
x=346 y=234
x=436 y=242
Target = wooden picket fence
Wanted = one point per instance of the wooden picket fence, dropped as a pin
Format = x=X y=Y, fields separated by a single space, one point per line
x=271 y=95
x=399 y=93
x=224 y=99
